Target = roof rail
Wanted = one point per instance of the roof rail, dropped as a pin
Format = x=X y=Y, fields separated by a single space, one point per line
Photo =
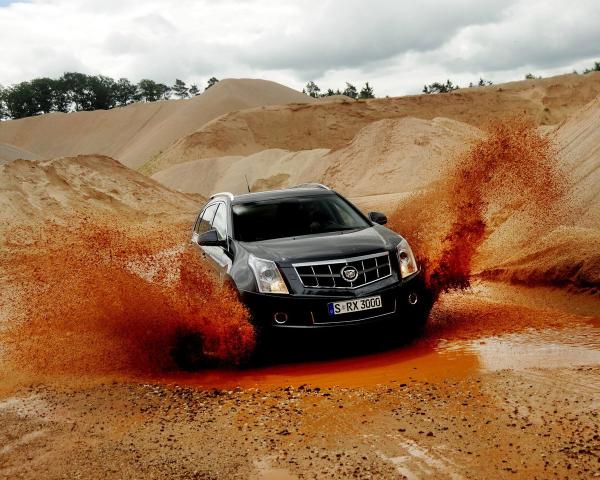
x=222 y=194
x=312 y=185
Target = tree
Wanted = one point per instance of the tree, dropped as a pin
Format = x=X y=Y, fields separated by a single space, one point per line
x=194 y=90
x=312 y=89
x=211 y=81
x=75 y=85
x=124 y=92
x=163 y=91
x=100 y=92
x=367 y=91
x=148 y=90
x=3 y=112
x=20 y=100
x=43 y=90
x=529 y=76
x=61 y=99
x=483 y=83
x=179 y=89
x=350 y=91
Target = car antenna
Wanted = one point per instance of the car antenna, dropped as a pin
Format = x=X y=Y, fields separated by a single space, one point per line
x=248 y=186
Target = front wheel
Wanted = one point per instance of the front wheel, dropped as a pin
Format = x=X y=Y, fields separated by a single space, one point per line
x=188 y=352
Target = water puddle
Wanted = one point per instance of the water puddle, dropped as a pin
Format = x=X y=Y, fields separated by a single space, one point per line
x=534 y=349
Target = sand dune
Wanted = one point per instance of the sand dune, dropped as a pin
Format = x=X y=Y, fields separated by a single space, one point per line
x=395 y=156
x=578 y=140
x=10 y=152
x=387 y=156
x=570 y=253
x=264 y=170
x=134 y=134
x=333 y=125
x=33 y=191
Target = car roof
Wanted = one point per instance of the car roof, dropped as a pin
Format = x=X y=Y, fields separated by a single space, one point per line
x=280 y=194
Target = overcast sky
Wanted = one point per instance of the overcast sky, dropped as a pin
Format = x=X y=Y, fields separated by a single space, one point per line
x=395 y=45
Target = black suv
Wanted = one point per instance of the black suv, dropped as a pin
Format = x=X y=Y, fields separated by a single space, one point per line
x=306 y=258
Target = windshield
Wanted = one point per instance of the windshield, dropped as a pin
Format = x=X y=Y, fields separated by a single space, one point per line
x=291 y=217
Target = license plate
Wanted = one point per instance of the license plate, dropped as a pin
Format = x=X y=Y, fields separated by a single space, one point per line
x=351 y=306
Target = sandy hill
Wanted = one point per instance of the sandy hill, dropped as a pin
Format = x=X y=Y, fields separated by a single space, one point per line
x=10 y=152
x=31 y=191
x=134 y=134
x=397 y=155
x=568 y=254
x=578 y=140
x=387 y=156
x=333 y=125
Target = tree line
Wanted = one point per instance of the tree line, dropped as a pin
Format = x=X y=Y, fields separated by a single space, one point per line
x=78 y=92
x=314 y=91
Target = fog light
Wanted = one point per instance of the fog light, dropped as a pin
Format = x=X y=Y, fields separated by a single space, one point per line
x=280 y=318
x=413 y=298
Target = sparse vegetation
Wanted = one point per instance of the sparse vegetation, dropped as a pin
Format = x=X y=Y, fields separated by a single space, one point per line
x=595 y=68
x=312 y=89
x=531 y=76
x=350 y=91
x=366 y=92
x=211 y=81
x=481 y=83
x=437 y=87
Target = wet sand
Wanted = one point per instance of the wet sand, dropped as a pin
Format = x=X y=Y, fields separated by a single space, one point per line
x=504 y=384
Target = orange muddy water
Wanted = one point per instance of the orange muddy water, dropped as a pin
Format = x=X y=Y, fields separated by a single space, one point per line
x=488 y=328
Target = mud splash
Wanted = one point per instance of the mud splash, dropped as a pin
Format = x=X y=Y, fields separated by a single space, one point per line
x=510 y=173
x=103 y=296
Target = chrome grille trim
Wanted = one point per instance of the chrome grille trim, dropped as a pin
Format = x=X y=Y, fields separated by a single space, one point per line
x=376 y=265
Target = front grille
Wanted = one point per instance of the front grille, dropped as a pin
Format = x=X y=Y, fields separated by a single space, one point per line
x=328 y=273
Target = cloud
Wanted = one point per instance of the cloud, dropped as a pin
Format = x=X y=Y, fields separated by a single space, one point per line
x=396 y=45
x=333 y=35
x=541 y=34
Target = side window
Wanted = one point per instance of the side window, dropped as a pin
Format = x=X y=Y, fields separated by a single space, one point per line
x=220 y=221
x=204 y=223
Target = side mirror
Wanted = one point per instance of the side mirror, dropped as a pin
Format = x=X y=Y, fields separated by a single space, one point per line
x=378 y=217
x=210 y=239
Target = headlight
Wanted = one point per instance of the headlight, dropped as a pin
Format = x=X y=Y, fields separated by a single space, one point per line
x=267 y=275
x=406 y=259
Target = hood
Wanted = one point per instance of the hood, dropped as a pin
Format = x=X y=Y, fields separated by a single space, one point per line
x=325 y=246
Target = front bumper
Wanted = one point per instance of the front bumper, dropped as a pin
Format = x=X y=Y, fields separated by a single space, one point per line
x=311 y=311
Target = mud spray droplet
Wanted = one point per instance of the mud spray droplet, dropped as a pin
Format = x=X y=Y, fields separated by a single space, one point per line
x=99 y=295
x=511 y=172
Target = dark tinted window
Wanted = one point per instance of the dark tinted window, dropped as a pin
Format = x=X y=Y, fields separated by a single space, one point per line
x=220 y=221
x=291 y=217
x=205 y=221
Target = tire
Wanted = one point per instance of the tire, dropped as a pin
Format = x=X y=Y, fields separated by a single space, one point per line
x=188 y=352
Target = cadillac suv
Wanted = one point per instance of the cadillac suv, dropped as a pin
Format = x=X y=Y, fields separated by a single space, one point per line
x=307 y=258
